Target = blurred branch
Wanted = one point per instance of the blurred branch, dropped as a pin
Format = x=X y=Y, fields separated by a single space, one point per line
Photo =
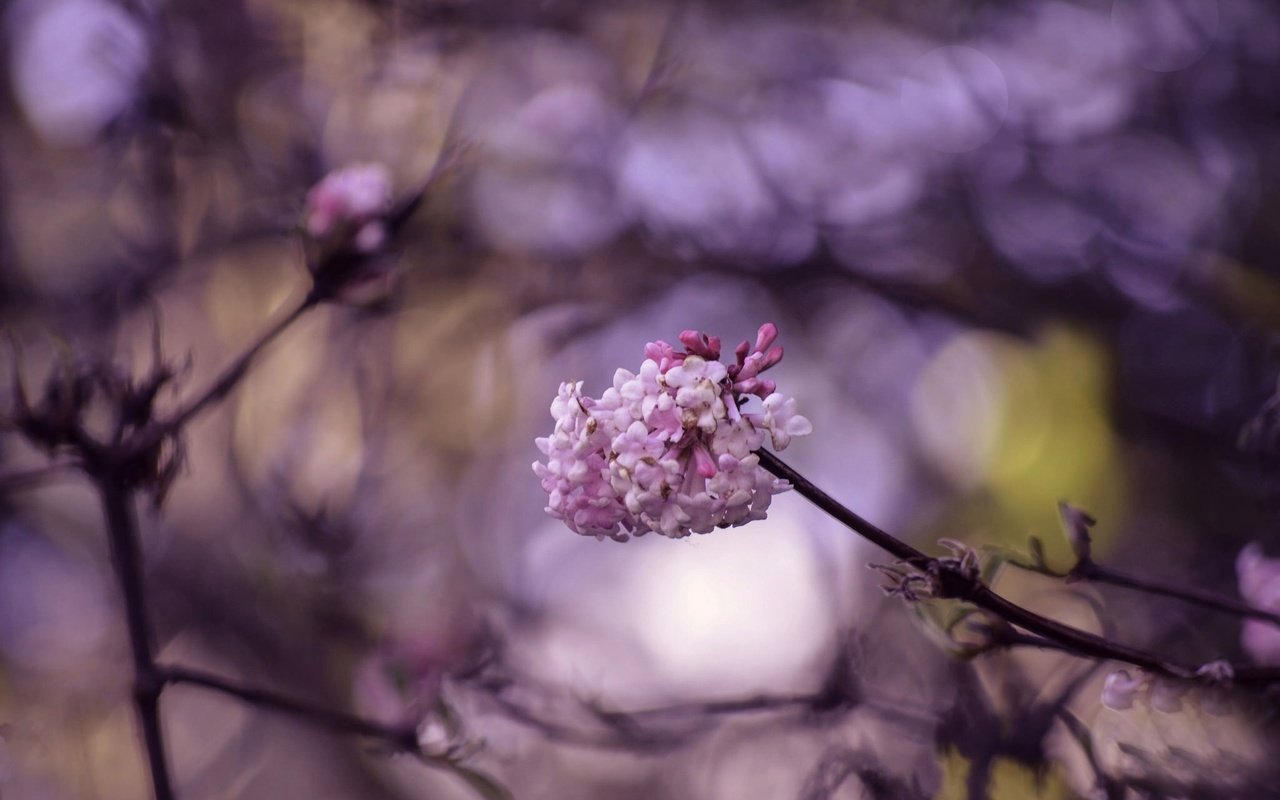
x=18 y=480
x=953 y=578
x=231 y=375
x=122 y=534
x=1076 y=525
x=399 y=738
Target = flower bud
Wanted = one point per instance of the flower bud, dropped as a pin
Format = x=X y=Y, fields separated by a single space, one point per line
x=1119 y=690
x=1076 y=525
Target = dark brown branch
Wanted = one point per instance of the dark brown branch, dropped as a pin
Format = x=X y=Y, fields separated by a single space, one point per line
x=122 y=534
x=973 y=590
x=401 y=738
x=1098 y=573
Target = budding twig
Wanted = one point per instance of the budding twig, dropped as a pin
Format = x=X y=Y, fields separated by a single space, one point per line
x=970 y=588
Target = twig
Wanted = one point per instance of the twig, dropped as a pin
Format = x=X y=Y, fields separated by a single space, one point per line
x=1098 y=573
x=122 y=533
x=226 y=381
x=18 y=480
x=973 y=590
x=401 y=738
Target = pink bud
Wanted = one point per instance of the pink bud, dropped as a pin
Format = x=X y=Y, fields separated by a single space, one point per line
x=700 y=344
x=765 y=336
x=770 y=358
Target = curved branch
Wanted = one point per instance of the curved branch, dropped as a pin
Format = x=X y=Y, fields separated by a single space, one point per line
x=400 y=738
x=231 y=375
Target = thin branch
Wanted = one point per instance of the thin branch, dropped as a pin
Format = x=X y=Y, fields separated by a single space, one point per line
x=400 y=738
x=122 y=534
x=1098 y=573
x=226 y=381
x=973 y=590
x=19 y=480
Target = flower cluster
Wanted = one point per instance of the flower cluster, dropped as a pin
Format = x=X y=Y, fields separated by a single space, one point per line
x=351 y=201
x=669 y=449
x=1259 y=578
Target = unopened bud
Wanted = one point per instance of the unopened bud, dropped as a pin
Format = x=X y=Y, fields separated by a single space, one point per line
x=1076 y=525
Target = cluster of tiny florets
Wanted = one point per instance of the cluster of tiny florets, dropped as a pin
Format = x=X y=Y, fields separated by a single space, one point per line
x=669 y=449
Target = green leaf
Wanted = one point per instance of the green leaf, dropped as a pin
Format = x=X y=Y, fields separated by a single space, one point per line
x=482 y=784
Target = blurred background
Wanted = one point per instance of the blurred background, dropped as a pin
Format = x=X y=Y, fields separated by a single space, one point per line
x=1018 y=251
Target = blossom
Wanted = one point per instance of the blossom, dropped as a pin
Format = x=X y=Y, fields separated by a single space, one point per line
x=670 y=448
x=1120 y=689
x=351 y=201
x=1259 y=579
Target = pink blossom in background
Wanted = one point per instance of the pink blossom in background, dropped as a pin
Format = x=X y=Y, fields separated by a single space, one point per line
x=354 y=197
x=1259 y=579
x=1120 y=689
x=669 y=449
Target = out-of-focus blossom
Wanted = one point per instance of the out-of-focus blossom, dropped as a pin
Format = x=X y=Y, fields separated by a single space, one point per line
x=1259 y=578
x=668 y=449
x=351 y=201
x=76 y=65
x=1120 y=690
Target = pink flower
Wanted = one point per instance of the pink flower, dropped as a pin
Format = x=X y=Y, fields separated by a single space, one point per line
x=351 y=201
x=1259 y=579
x=668 y=449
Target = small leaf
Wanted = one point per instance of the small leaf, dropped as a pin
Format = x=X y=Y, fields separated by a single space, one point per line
x=482 y=784
x=994 y=563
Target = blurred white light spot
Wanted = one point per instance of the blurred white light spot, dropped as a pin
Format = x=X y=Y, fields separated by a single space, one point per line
x=733 y=611
x=76 y=64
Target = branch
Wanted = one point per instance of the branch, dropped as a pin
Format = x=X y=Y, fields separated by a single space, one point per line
x=962 y=586
x=226 y=381
x=1098 y=573
x=122 y=534
x=18 y=480
x=400 y=738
